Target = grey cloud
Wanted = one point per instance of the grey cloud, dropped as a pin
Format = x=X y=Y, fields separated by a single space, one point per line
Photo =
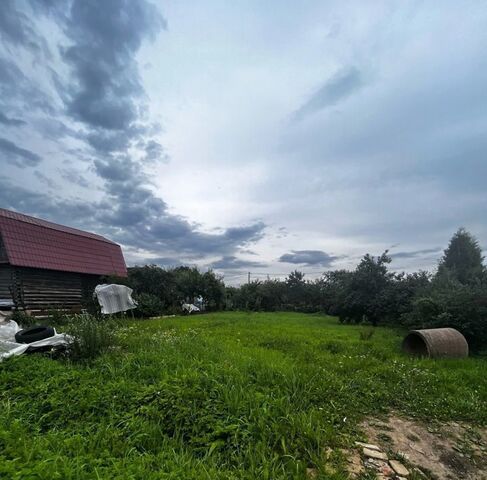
x=74 y=212
x=148 y=224
x=51 y=6
x=74 y=176
x=55 y=129
x=247 y=251
x=136 y=217
x=106 y=142
x=166 y=262
x=14 y=122
x=415 y=253
x=155 y=151
x=343 y=84
x=106 y=35
x=162 y=231
x=9 y=75
x=118 y=169
x=16 y=28
x=231 y=262
x=136 y=220
x=461 y=166
x=245 y=234
x=104 y=94
x=18 y=156
x=308 y=257
x=18 y=91
x=45 y=179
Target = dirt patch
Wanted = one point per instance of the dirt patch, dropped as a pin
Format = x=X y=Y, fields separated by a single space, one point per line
x=450 y=451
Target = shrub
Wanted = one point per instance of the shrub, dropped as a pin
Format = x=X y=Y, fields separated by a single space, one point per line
x=57 y=317
x=454 y=305
x=22 y=318
x=92 y=336
x=149 y=305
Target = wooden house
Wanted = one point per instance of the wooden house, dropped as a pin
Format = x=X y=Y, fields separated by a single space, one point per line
x=46 y=266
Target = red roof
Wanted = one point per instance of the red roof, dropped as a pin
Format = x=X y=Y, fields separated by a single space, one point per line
x=31 y=242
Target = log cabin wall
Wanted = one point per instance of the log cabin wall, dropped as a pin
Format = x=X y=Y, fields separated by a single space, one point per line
x=43 y=290
x=3 y=252
x=7 y=281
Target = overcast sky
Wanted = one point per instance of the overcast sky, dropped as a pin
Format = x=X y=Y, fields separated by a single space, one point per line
x=248 y=135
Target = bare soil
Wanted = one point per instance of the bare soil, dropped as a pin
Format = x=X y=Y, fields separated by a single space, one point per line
x=441 y=451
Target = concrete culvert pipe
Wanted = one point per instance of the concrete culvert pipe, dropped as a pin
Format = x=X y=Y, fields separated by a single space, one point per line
x=436 y=343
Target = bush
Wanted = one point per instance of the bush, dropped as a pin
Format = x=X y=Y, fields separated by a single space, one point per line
x=92 y=336
x=463 y=307
x=174 y=286
x=149 y=305
x=22 y=318
x=57 y=318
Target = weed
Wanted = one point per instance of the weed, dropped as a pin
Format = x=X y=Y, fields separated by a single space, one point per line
x=366 y=334
x=23 y=319
x=57 y=318
x=91 y=336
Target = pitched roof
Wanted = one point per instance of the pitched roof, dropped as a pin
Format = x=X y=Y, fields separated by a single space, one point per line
x=32 y=242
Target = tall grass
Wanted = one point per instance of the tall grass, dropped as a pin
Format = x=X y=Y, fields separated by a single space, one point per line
x=92 y=336
x=221 y=396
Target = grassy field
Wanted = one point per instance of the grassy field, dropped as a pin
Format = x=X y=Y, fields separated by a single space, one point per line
x=220 y=396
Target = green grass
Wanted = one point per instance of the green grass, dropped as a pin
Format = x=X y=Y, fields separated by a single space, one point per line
x=220 y=396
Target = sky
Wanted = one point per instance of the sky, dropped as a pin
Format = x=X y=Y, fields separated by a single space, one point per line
x=248 y=136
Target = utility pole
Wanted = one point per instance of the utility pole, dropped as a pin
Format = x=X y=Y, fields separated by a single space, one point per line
x=248 y=281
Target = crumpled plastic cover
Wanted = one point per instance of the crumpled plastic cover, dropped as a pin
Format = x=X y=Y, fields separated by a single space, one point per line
x=9 y=347
x=189 y=307
x=114 y=298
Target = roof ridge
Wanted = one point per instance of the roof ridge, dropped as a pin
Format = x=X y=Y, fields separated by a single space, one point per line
x=39 y=222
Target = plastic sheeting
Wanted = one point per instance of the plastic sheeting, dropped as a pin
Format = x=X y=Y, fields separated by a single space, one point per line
x=189 y=307
x=9 y=347
x=114 y=298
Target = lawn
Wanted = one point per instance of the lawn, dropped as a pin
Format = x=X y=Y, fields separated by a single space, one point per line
x=220 y=396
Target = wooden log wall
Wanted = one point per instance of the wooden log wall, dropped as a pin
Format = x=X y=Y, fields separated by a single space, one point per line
x=44 y=290
x=3 y=252
x=6 y=282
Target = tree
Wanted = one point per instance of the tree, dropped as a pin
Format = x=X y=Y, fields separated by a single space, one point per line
x=295 y=279
x=366 y=298
x=335 y=288
x=462 y=260
x=401 y=292
x=296 y=289
x=457 y=296
x=213 y=291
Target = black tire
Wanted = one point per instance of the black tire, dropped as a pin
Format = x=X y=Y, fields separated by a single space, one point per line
x=34 y=334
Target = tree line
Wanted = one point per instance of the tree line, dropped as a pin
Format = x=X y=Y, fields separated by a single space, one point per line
x=162 y=291
x=453 y=296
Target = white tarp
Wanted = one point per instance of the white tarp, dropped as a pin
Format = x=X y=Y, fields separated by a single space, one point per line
x=189 y=307
x=114 y=298
x=9 y=347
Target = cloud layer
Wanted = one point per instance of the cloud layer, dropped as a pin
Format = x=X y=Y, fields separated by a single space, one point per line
x=184 y=133
x=99 y=103
x=341 y=85
x=308 y=258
